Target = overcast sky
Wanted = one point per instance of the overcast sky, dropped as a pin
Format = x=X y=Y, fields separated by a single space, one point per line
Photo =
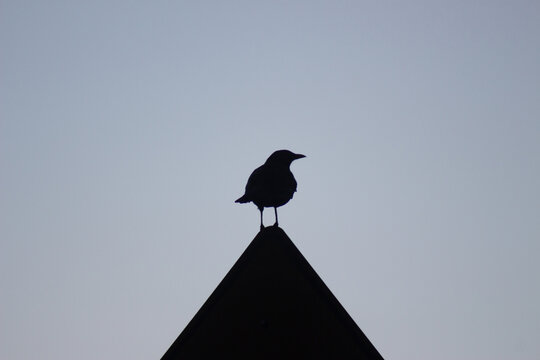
x=128 y=129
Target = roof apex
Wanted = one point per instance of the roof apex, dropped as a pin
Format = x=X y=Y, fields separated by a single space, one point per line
x=272 y=304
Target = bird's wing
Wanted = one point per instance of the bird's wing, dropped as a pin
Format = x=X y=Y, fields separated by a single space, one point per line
x=256 y=182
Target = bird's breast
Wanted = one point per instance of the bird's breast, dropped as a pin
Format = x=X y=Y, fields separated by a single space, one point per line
x=277 y=190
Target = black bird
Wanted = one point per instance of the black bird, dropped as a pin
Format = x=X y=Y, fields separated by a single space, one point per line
x=272 y=184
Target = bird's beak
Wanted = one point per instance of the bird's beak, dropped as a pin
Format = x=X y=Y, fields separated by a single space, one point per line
x=299 y=156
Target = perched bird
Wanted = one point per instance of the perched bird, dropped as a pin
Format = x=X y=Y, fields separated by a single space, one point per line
x=272 y=184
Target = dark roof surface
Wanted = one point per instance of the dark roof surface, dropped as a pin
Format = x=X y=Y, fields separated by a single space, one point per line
x=272 y=305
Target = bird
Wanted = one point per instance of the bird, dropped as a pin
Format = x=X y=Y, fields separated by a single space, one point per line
x=271 y=184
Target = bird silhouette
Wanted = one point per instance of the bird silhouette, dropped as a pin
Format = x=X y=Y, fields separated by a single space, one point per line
x=272 y=184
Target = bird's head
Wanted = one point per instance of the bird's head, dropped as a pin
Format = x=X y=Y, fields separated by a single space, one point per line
x=283 y=158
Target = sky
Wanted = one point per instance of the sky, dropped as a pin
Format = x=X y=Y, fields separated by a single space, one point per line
x=128 y=129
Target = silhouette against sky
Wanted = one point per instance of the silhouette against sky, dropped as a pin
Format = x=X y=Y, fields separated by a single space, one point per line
x=272 y=184
x=272 y=304
x=127 y=129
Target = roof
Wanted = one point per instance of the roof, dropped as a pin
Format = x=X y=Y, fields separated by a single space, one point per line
x=272 y=305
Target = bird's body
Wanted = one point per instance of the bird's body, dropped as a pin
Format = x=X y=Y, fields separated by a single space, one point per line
x=269 y=187
x=272 y=184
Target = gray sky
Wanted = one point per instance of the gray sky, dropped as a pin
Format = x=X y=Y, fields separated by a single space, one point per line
x=128 y=129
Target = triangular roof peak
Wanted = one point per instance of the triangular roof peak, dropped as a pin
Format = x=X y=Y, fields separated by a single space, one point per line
x=272 y=305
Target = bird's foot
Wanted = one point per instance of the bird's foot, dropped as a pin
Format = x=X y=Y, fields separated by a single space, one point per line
x=262 y=227
x=276 y=224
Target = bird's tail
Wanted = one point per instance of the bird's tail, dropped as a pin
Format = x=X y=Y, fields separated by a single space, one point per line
x=242 y=200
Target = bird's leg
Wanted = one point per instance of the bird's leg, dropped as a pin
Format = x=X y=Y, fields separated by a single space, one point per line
x=261 y=210
x=275 y=212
